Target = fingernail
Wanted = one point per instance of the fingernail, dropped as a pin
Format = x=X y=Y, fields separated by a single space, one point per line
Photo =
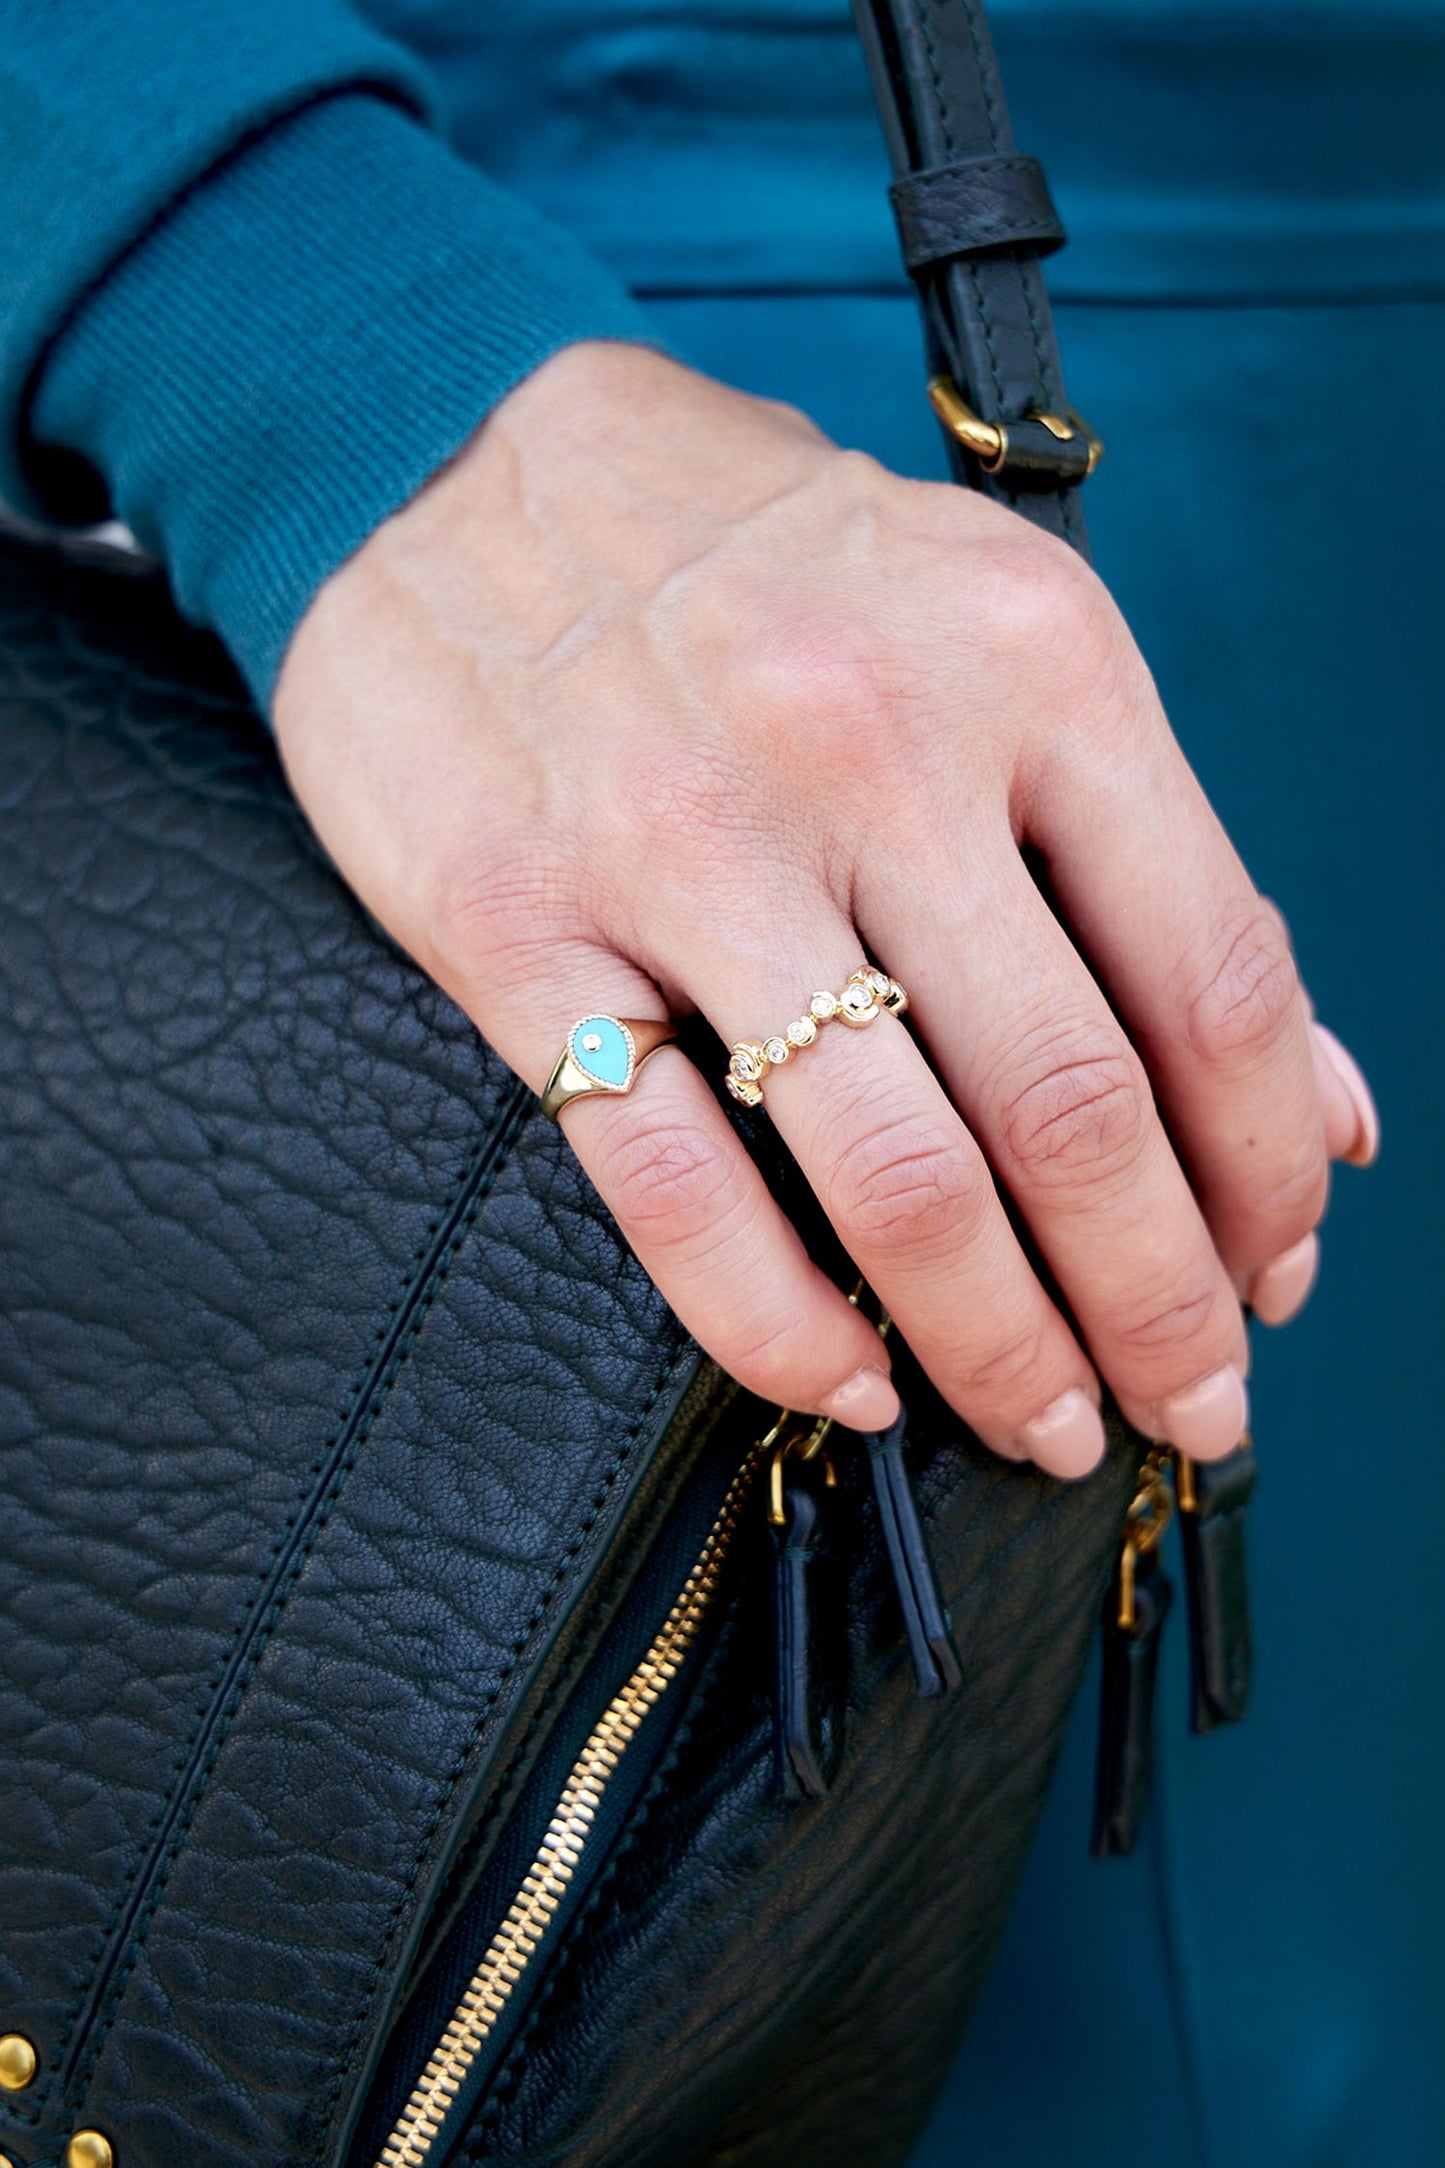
x=1352 y=1076
x=1278 y=1290
x=1206 y=1420
x=866 y=1401
x=1068 y=1438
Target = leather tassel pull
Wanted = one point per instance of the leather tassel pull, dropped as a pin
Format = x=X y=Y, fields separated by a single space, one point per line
x=926 y=1621
x=1125 y=1763
x=1212 y=1500
x=1134 y=1613
x=811 y=1626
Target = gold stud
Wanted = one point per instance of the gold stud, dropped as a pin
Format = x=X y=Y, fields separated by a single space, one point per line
x=17 y=2062
x=857 y=1004
x=88 y=2149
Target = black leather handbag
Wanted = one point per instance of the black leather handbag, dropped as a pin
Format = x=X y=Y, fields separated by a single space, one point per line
x=443 y=1719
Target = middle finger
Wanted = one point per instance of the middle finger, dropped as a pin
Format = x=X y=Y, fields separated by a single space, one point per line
x=912 y=1198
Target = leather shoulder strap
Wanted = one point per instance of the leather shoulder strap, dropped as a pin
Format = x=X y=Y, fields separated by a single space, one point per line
x=974 y=216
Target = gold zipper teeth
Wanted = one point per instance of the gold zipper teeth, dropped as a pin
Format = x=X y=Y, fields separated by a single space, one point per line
x=515 y=1942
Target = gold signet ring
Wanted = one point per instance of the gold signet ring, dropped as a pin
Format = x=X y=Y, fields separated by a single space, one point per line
x=602 y=1054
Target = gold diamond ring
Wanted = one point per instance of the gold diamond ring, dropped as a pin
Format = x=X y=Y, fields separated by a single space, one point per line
x=602 y=1054
x=868 y=993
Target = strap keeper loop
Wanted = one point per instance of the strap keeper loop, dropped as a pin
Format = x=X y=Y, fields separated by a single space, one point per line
x=974 y=207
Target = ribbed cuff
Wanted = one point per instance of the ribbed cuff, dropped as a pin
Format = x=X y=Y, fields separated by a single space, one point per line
x=304 y=340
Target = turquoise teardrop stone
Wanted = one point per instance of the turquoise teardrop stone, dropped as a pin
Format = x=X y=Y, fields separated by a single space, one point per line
x=609 y=1061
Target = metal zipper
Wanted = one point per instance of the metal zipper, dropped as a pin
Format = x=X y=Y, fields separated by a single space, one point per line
x=561 y=1851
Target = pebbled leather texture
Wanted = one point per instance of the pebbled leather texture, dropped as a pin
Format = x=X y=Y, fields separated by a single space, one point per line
x=332 y=1409
x=323 y=1378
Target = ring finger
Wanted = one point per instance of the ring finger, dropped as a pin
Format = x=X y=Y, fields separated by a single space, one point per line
x=911 y=1196
x=686 y=1195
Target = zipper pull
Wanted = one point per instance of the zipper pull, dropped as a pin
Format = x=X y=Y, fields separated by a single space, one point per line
x=1212 y=1498
x=1134 y=1613
x=936 y=1665
x=810 y=1624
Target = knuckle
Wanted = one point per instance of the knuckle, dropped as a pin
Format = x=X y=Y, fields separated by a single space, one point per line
x=795 y=419
x=830 y=676
x=1084 y=1116
x=777 y=1359
x=1004 y=1380
x=1278 y=920
x=1191 y=1317
x=1289 y=1206
x=907 y=1186
x=1043 y=606
x=1248 y=994
x=671 y=1183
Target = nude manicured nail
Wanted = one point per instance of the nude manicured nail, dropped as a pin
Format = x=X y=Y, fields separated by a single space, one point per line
x=1206 y=1420
x=1278 y=1290
x=866 y=1401
x=1352 y=1076
x=1068 y=1438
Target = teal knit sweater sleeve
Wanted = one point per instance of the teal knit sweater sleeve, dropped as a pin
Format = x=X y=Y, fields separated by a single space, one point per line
x=245 y=284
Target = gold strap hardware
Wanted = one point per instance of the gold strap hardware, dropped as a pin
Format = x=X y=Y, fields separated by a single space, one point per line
x=807 y=1436
x=988 y=441
x=1144 y=1527
x=1185 y=1490
x=795 y=1435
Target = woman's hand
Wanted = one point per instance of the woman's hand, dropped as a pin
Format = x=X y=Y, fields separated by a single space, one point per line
x=655 y=699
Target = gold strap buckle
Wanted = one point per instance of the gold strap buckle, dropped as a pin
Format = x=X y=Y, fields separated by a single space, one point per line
x=988 y=441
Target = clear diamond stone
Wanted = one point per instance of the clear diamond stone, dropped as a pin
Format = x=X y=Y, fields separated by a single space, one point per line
x=879 y=981
x=776 y=1050
x=591 y=1042
x=822 y=1006
x=802 y=1031
x=745 y=1065
x=857 y=1003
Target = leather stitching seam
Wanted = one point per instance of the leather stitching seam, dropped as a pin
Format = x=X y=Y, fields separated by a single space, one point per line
x=563 y=1684
x=480 y=1168
x=519 y=1645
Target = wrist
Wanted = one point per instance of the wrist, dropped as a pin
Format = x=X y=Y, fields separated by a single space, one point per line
x=262 y=389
